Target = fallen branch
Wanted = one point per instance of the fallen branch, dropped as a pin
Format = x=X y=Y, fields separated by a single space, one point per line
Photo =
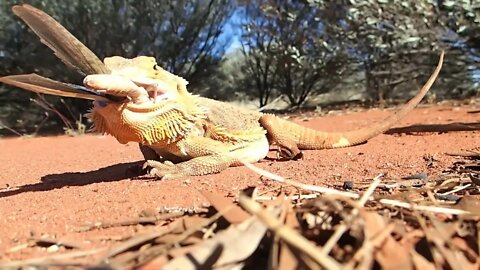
x=57 y=259
x=287 y=234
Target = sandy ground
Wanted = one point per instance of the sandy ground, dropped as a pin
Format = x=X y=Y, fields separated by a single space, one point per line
x=52 y=186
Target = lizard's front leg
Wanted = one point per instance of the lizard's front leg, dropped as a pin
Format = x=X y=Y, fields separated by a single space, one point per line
x=207 y=156
x=203 y=156
x=196 y=166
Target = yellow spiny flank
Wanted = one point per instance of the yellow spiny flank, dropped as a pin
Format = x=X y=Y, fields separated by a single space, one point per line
x=148 y=128
x=234 y=136
x=162 y=127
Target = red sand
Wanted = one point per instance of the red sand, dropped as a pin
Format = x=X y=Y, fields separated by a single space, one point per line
x=51 y=186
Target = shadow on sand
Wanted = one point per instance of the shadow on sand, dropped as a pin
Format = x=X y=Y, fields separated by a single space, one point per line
x=53 y=181
x=132 y=169
x=435 y=128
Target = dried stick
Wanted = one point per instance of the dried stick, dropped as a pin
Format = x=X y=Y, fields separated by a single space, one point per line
x=287 y=234
x=389 y=202
x=342 y=228
x=49 y=260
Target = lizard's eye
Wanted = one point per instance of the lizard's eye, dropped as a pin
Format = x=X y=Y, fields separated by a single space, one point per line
x=155 y=67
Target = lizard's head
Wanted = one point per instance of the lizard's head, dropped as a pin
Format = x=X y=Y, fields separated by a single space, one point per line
x=137 y=77
x=157 y=109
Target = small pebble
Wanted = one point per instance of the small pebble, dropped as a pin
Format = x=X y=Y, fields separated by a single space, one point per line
x=348 y=185
x=53 y=248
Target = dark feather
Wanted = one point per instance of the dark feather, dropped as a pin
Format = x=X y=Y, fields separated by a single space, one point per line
x=67 y=47
x=42 y=85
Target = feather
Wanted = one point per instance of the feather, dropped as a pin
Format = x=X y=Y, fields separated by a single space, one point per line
x=66 y=46
x=39 y=84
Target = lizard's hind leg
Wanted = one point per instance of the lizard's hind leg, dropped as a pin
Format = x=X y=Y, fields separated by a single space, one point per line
x=278 y=136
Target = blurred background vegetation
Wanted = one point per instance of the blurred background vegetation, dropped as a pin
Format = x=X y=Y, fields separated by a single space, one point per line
x=257 y=51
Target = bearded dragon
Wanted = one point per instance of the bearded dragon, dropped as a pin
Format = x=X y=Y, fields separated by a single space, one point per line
x=180 y=134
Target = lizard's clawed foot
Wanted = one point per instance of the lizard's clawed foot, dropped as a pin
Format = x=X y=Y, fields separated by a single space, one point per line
x=163 y=170
x=289 y=153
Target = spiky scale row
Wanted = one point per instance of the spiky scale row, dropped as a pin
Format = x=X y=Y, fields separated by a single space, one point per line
x=126 y=123
x=222 y=134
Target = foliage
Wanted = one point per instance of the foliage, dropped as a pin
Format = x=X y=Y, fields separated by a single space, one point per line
x=297 y=49
x=182 y=34
x=398 y=41
x=392 y=43
x=288 y=51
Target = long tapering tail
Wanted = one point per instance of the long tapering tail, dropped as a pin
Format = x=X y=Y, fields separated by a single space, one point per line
x=289 y=135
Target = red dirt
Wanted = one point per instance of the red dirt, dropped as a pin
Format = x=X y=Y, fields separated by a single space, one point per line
x=51 y=186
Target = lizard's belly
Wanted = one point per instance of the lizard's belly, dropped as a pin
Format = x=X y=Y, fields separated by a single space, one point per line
x=170 y=153
x=253 y=152
x=249 y=152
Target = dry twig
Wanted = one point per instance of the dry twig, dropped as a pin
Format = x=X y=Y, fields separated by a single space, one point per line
x=289 y=235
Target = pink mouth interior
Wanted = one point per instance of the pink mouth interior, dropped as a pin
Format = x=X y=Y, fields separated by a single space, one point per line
x=154 y=90
x=158 y=94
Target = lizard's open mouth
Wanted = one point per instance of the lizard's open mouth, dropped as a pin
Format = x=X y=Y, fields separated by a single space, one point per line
x=157 y=96
x=157 y=90
x=137 y=90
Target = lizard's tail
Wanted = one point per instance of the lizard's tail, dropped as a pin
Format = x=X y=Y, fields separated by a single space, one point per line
x=306 y=138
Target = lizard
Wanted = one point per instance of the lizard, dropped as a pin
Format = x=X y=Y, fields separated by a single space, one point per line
x=180 y=134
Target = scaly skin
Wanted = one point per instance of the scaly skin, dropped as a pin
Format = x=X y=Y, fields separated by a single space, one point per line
x=289 y=136
x=180 y=134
